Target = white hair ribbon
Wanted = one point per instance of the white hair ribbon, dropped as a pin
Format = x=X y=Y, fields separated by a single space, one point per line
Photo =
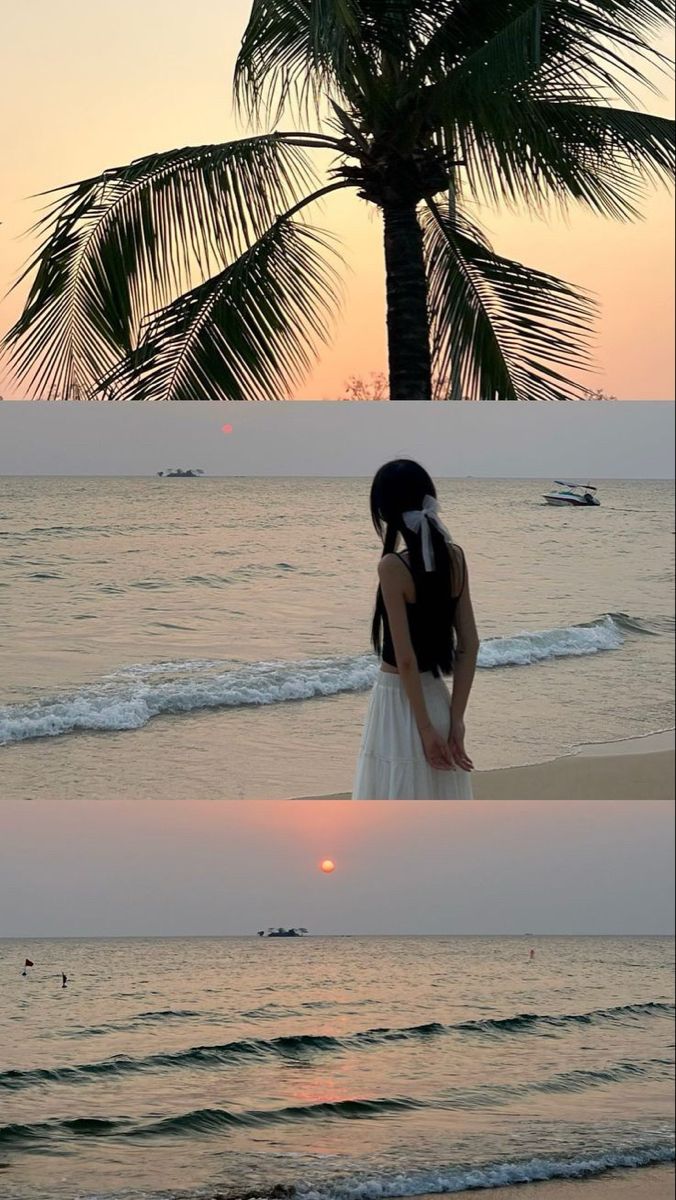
x=419 y=521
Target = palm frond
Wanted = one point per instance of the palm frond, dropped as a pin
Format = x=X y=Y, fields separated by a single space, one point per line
x=568 y=151
x=247 y=334
x=510 y=46
x=118 y=246
x=526 y=110
x=604 y=40
x=294 y=51
x=607 y=157
x=305 y=51
x=501 y=331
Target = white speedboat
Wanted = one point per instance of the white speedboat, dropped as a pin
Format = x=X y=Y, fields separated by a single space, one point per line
x=572 y=495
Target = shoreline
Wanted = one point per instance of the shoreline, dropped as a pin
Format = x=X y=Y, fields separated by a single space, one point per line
x=646 y=743
x=639 y=768
x=638 y=1183
x=650 y=1182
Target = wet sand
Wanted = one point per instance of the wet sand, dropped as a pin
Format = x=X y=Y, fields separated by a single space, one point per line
x=637 y=769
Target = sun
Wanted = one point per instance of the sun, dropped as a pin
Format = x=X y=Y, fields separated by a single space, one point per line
x=328 y=866
x=226 y=428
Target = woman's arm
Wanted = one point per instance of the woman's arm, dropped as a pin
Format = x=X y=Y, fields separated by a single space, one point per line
x=467 y=650
x=394 y=576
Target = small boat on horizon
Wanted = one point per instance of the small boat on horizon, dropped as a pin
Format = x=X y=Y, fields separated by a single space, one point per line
x=180 y=473
x=572 y=495
x=282 y=933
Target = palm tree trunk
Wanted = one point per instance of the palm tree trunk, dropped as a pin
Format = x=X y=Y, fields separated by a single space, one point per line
x=408 y=333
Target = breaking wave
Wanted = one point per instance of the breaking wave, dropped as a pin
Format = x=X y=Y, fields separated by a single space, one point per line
x=132 y=697
x=451 y=1180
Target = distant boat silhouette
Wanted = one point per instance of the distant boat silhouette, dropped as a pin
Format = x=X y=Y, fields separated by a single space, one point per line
x=180 y=473
x=282 y=933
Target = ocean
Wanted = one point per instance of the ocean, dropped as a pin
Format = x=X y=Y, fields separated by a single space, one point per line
x=330 y=1068
x=208 y=638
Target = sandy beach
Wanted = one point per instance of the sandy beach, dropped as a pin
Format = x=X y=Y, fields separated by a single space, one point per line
x=635 y=769
x=647 y=1183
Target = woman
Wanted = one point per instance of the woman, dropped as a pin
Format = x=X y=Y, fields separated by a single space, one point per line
x=413 y=746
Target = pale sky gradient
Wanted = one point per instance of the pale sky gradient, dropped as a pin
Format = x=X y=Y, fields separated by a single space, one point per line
x=181 y=868
x=581 y=441
x=87 y=86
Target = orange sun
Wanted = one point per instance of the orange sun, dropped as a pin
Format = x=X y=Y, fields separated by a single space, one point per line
x=328 y=866
x=226 y=429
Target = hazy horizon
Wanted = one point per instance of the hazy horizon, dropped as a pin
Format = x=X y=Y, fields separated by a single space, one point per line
x=479 y=868
x=233 y=937
x=577 y=441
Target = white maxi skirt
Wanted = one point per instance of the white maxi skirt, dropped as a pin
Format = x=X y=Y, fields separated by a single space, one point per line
x=392 y=763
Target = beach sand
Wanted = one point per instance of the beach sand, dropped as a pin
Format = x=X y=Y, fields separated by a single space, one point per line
x=645 y=1183
x=637 y=769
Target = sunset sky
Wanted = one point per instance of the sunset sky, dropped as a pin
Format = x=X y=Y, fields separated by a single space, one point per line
x=87 y=86
x=184 y=867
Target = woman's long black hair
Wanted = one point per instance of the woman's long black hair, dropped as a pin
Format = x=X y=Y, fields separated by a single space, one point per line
x=398 y=487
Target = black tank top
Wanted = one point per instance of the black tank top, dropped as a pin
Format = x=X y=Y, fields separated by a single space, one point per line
x=416 y=627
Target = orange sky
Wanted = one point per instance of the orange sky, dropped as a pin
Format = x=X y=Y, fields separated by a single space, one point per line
x=83 y=89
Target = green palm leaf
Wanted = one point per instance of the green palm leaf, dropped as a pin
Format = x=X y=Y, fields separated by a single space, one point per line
x=501 y=331
x=525 y=110
x=598 y=37
x=607 y=157
x=119 y=246
x=303 y=51
x=294 y=50
x=568 y=151
x=247 y=334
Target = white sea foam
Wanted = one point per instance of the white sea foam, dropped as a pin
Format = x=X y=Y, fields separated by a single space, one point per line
x=573 y=641
x=485 y=1178
x=132 y=697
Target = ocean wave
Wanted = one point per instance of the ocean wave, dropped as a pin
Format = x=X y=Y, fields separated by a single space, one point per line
x=450 y=1180
x=161 y=1016
x=131 y=701
x=204 y=1120
x=284 y=1047
x=132 y=697
x=523 y=1021
x=305 y=1045
x=572 y=641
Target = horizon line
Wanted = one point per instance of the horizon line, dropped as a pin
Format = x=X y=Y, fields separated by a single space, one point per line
x=102 y=937
x=313 y=475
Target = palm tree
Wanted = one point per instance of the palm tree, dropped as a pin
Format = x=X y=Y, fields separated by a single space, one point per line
x=194 y=274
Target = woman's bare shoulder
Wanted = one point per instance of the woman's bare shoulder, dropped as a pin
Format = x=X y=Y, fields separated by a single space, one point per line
x=391 y=567
x=459 y=569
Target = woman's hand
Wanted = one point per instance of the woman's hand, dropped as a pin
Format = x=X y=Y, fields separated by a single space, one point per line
x=456 y=744
x=437 y=749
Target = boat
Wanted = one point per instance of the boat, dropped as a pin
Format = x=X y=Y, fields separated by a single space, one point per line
x=282 y=933
x=572 y=495
x=180 y=473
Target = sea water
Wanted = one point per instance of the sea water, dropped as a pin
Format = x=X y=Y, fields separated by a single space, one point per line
x=210 y=637
x=335 y=1068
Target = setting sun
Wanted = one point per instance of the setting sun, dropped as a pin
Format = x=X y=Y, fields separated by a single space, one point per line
x=328 y=866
